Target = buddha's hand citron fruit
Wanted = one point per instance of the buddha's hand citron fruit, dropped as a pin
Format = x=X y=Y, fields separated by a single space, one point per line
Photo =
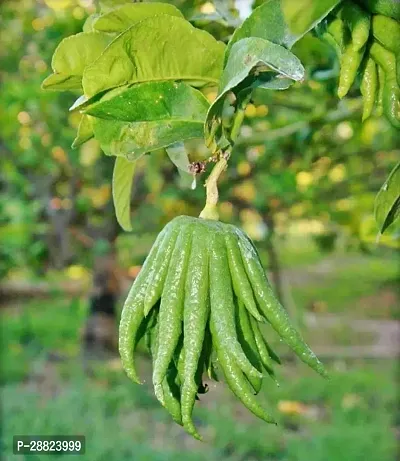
x=201 y=301
x=366 y=37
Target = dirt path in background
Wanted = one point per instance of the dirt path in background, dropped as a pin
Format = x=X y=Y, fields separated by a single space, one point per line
x=385 y=333
x=310 y=273
x=385 y=341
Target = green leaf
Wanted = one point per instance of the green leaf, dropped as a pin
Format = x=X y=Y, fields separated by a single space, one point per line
x=249 y=53
x=266 y=21
x=269 y=21
x=150 y=102
x=79 y=103
x=265 y=81
x=125 y=16
x=121 y=190
x=62 y=82
x=159 y=48
x=278 y=83
x=246 y=55
x=387 y=202
x=82 y=102
x=85 y=131
x=303 y=15
x=148 y=116
x=88 y=26
x=71 y=57
x=110 y=5
x=132 y=140
x=178 y=155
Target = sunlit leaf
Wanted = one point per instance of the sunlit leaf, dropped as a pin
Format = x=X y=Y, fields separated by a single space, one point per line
x=71 y=57
x=121 y=190
x=246 y=55
x=89 y=23
x=150 y=102
x=132 y=140
x=133 y=120
x=159 y=48
x=387 y=203
x=119 y=19
x=266 y=21
x=303 y=15
x=85 y=131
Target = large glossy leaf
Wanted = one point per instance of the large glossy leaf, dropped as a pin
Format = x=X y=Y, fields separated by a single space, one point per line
x=245 y=55
x=159 y=48
x=145 y=117
x=123 y=17
x=269 y=21
x=121 y=190
x=303 y=15
x=387 y=203
x=71 y=57
x=150 y=102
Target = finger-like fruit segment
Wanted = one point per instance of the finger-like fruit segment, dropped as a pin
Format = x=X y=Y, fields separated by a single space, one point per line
x=381 y=87
x=222 y=315
x=385 y=58
x=358 y=21
x=171 y=309
x=266 y=354
x=240 y=386
x=195 y=318
x=338 y=31
x=240 y=282
x=246 y=339
x=161 y=265
x=272 y=309
x=170 y=389
x=350 y=62
x=132 y=313
x=391 y=91
x=387 y=32
x=391 y=101
x=369 y=87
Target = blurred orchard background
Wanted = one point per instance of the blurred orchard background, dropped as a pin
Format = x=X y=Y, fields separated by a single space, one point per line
x=301 y=182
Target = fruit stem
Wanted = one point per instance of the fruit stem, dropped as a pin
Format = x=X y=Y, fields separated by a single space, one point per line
x=210 y=211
